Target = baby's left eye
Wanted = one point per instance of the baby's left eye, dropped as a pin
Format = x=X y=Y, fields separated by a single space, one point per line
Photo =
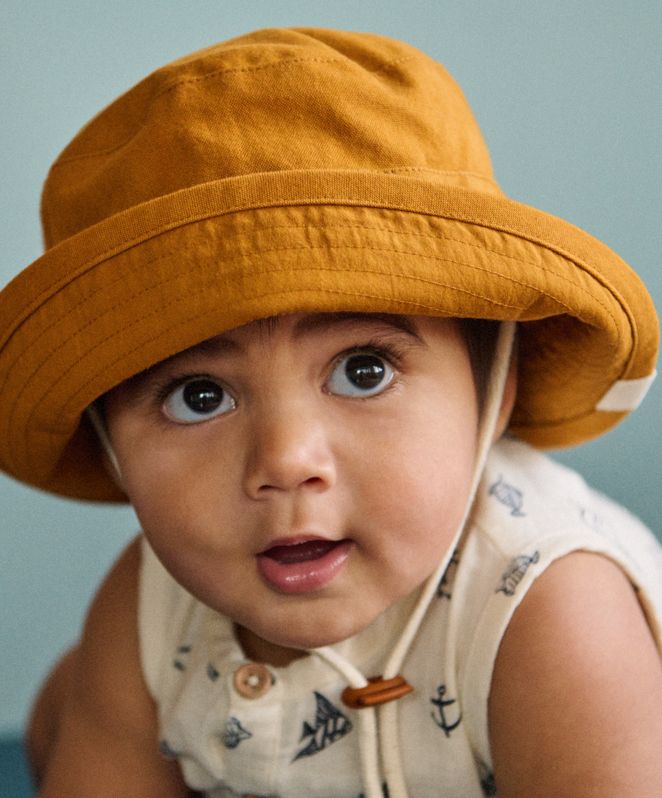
x=360 y=374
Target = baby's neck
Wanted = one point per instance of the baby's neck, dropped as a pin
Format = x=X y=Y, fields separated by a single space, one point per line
x=260 y=650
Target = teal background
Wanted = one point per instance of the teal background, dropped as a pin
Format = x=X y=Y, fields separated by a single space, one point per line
x=568 y=98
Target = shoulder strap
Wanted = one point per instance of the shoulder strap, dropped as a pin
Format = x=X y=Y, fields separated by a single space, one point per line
x=163 y=608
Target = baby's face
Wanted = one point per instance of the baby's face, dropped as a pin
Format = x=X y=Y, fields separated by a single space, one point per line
x=300 y=475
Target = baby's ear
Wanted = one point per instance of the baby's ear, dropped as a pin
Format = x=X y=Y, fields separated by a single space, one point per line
x=508 y=398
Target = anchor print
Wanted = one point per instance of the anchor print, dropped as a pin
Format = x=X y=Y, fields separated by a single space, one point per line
x=439 y=717
x=330 y=725
x=444 y=588
x=234 y=733
x=514 y=574
x=509 y=496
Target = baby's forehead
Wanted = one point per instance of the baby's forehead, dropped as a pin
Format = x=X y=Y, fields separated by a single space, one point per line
x=299 y=326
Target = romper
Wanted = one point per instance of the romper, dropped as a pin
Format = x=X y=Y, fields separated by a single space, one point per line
x=241 y=728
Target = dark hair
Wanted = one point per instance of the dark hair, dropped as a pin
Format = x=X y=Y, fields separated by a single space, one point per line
x=480 y=337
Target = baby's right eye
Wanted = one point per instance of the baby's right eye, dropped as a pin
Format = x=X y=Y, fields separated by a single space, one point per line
x=197 y=400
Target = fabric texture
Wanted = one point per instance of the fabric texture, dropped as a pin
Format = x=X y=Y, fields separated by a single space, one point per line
x=297 y=738
x=287 y=171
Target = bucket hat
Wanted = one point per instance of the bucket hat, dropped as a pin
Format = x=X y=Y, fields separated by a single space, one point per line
x=294 y=170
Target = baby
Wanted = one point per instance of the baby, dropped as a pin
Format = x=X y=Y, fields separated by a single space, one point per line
x=287 y=313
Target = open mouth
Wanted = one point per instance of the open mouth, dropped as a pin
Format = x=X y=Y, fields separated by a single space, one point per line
x=303 y=566
x=300 y=552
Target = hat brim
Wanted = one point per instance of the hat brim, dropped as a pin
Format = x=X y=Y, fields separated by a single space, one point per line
x=151 y=281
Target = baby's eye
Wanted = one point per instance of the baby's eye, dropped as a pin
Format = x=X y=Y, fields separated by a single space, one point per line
x=360 y=374
x=197 y=400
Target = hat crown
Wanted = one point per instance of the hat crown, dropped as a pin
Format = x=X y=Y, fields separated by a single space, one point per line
x=273 y=100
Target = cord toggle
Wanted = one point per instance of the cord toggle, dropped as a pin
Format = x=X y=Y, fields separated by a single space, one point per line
x=377 y=691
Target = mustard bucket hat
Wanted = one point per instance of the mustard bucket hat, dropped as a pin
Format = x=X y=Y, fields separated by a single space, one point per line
x=297 y=170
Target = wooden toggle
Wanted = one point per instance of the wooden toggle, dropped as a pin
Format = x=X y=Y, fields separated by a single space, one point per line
x=377 y=691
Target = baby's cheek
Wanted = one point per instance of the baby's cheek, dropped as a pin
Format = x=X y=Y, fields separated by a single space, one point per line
x=424 y=506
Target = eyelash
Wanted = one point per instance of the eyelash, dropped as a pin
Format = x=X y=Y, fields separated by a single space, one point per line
x=165 y=387
x=393 y=353
x=389 y=351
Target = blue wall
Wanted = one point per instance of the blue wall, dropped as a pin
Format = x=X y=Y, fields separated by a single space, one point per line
x=567 y=95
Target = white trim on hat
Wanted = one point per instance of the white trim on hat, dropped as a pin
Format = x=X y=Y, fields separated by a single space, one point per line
x=625 y=395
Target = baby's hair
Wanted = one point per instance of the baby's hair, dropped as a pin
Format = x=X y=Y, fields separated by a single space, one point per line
x=480 y=337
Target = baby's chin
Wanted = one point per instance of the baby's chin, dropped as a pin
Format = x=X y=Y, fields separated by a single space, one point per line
x=281 y=647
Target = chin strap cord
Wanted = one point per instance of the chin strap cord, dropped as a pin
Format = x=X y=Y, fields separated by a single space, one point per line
x=99 y=425
x=385 y=744
x=366 y=718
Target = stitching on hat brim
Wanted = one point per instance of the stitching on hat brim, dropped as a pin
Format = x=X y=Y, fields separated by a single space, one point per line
x=307 y=200
x=367 y=228
x=191 y=218
x=263 y=252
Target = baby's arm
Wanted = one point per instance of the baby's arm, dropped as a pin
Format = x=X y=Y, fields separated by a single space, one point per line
x=576 y=700
x=97 y=709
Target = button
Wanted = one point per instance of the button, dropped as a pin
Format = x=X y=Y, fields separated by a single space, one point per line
x=252 y=680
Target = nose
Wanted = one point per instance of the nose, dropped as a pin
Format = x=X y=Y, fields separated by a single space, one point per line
x=290 y=450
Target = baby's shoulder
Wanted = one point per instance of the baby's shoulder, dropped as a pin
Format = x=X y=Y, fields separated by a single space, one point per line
x=531 y=541
x=531 y=512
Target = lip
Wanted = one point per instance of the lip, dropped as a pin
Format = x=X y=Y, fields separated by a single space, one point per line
x=302 y=564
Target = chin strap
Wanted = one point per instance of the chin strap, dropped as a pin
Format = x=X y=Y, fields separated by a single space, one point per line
x=99 y=425
x=378 y=715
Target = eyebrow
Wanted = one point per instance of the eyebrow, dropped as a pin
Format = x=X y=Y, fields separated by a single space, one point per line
x=314 y=322
x=319 y=322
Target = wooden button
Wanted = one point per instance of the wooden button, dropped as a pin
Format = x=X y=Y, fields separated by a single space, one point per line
x=252 y=680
